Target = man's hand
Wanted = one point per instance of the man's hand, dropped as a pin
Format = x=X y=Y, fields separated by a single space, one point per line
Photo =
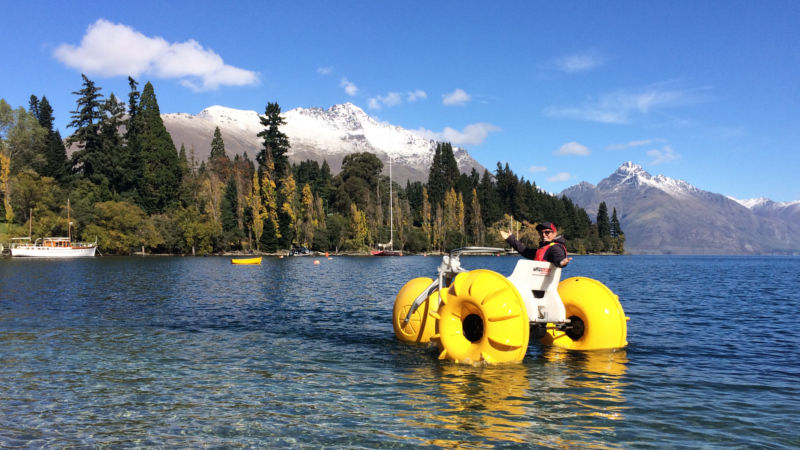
x=564 y=262
x=504 y=234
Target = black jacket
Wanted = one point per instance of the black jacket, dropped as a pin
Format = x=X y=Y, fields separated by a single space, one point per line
x=554 y=254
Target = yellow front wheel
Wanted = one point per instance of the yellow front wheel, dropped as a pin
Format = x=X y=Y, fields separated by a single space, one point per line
x=420 y=326
x=597 y=320
x=482 y=317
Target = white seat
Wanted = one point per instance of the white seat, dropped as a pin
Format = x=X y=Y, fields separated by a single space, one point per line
x=537 y=282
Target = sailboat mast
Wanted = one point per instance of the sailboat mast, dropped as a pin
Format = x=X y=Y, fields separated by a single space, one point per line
x=391 y=209
x=69 y=223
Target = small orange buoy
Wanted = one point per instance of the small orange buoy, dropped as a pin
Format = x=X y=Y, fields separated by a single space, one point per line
x=326 y=254
x=316 y=262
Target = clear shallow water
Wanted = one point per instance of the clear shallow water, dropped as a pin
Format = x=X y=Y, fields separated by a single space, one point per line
x=194 y=351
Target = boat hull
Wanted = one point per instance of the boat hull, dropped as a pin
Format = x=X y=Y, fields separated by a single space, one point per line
x=387 y=253
x=246 y=261
x=53 y=252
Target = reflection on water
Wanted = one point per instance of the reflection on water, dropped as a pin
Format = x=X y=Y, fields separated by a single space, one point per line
x=521 y=403
x=488 y=401
x=596 y=379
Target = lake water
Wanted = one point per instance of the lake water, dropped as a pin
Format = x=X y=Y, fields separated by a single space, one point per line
x=187 y=352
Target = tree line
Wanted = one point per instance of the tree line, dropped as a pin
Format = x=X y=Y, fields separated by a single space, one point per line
x=134 y=191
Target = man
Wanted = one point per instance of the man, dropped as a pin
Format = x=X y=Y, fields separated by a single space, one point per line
x=551 y=246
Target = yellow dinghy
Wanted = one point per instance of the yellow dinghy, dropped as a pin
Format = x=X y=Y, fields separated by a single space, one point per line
x=247 y=261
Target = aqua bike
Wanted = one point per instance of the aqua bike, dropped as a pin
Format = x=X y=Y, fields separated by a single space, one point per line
x=482 y=316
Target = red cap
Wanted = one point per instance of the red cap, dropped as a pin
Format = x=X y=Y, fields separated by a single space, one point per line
x=546 y=226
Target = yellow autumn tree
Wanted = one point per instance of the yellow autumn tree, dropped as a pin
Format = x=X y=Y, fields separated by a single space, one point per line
x=269 y=200
x=308 y=221
x=359 y=229
x=460 y=212
x=319 y=212
x=257 y=208
x=476 y=222
x=452 y=226
x=287 y=215
x=5 y=174
x=450 y=217
x=426 y=215
x=437 y=229
x=211 y=192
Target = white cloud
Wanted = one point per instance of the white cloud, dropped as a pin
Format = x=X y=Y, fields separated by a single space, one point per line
x=559 y=177
x=395 y=98
x=416 y=95
x=109 y=49
x=457 y=98
x=349 y=87
x=580 y=62
x=663 y=155
x=327 y=70
x=535 y=169
x=473 y=134
x=573 y=148
x=633 y=144
x=620 y=107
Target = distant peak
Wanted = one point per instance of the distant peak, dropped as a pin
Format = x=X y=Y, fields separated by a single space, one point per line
x=752 y=202
x=630 y=167
x=346 y=105
x=224 y=112
x=347 y=108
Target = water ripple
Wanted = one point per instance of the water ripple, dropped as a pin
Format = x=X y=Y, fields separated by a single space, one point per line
x=190 y=352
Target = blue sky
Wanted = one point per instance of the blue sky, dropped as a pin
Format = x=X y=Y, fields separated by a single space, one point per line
x=564 y=92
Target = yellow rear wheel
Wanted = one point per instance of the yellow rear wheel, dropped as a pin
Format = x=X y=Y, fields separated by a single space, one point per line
x=597 y=319
x=420 y=327
x=482 y=318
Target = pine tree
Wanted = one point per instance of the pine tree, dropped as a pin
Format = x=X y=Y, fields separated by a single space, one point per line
x=110 y=164
x=230 y=213
x=443 y=173
x=130 y=157
x=491 y=206
x=218 y=162
x=603 y=224
x=616 y=229
x=55 y=152
x=272 y=156
x=217 y=146
x=86 y=120
x=161 y=170
x=33 y=107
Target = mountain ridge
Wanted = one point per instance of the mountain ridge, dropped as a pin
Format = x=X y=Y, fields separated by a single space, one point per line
x=660 y=214
x=314 y=133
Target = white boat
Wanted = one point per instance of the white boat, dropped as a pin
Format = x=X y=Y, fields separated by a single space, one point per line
x=52 y=247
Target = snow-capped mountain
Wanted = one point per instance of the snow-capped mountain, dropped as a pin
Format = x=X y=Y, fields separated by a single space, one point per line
x=766 y=207
x=314 y=133
x=664 y=215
